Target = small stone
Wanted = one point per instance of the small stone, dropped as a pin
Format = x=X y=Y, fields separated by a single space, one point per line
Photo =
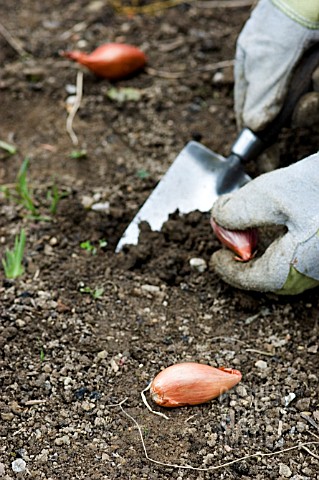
x=48 y=250
x=284 y=470
x=101 y=355
x=150 y=288
x=65 y=440
x=53 y=241
x=87 y=406
x=313 y=349
x=289 y=398
x=101 y=207
x=261 y=364
x=198 y=264
x=20 y=323
x=241 y=390
x=18 y=465
x=7 y=417
x=303 y=404
x=208 y=459
x=301 y=427
x=43 y=456
x=87 y=201
x=2 y=470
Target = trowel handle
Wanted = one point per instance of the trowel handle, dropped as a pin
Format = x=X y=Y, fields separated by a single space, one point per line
x=249 y=144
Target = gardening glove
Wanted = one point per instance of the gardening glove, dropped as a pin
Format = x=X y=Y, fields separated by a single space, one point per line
x=290 y=197
x=268 y=48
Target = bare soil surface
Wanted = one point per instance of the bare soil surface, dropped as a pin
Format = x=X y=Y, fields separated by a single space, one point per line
x=83 y=329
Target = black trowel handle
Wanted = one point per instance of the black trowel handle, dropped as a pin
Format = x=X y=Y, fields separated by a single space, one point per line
x=249 y=144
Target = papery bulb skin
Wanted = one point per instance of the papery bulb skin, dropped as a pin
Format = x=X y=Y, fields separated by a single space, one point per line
x=113 y=61
x=242 y=242
x=191 y=383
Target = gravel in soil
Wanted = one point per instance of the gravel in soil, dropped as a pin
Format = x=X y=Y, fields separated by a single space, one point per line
x=83 y=329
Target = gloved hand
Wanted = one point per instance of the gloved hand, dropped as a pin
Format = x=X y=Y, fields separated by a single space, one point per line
x=290 y=197
x=268 y=48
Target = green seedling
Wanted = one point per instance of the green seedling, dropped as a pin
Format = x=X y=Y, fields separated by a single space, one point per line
x=142 y=173
x=95 y=293
x=78 y=154
x=12 y=263
x=87 y=245
x=42 y=355
x=102 y=243
x=7 y=147
x=54 y=196
x=124 y=94
x=23 y=191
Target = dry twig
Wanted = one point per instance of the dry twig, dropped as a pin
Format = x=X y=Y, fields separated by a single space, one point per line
x=261 y=352
x=13 y=42
x=225 y=4
x=75 y=107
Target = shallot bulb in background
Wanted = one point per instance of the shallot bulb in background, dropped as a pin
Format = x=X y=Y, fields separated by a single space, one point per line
x=242 y=242
x=191 y=384
x=110 y=60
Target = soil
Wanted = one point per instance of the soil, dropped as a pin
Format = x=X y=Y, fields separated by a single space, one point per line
x=84 y=328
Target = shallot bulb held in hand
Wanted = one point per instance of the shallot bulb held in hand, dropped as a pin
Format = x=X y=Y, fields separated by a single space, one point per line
x=110 y=60
x=242 y=242
x=191 y=384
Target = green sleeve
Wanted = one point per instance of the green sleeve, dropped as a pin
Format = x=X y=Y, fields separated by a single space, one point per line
x=297 y=283
x=305 y=12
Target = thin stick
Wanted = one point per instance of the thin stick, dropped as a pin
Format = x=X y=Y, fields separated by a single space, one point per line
x=75 y=107
x=30 y=403
x=225 y=4
x=151 y=8
x=253 y=350
x=160 y=414
x=216 y=467
x=206 y=68
x=310 y=452
x=13 y=42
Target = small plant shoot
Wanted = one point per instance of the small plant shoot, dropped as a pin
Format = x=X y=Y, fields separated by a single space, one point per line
x=12 y=261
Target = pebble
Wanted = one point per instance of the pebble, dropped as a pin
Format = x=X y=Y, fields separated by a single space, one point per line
x=284 y=470
x=150 y=288
x=53 y=241
x=101 y=355
x=87 y=406
x=2 y=469
x=261 y=364
x=198 y=264
x=289 y=398
x=65 y=440
x=20 y=323
x=303 y=404
x=7 y=416
x=18 y=465
x=101 y=207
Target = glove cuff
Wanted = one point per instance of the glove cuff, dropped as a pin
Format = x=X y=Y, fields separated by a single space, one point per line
x=296 y=283
x=304 y=13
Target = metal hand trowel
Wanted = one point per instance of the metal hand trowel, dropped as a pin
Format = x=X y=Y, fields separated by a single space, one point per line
x=198 y=176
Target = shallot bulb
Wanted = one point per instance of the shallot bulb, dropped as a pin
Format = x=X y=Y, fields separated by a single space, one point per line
x=242 y=242
x=110 y=60
x=191 y=384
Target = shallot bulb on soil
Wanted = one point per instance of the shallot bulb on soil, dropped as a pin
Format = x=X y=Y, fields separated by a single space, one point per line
x=110 y=60
x=242 y=242
x=191 y=384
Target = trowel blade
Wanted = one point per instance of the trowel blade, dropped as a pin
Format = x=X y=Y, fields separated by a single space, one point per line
x=189 y=184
